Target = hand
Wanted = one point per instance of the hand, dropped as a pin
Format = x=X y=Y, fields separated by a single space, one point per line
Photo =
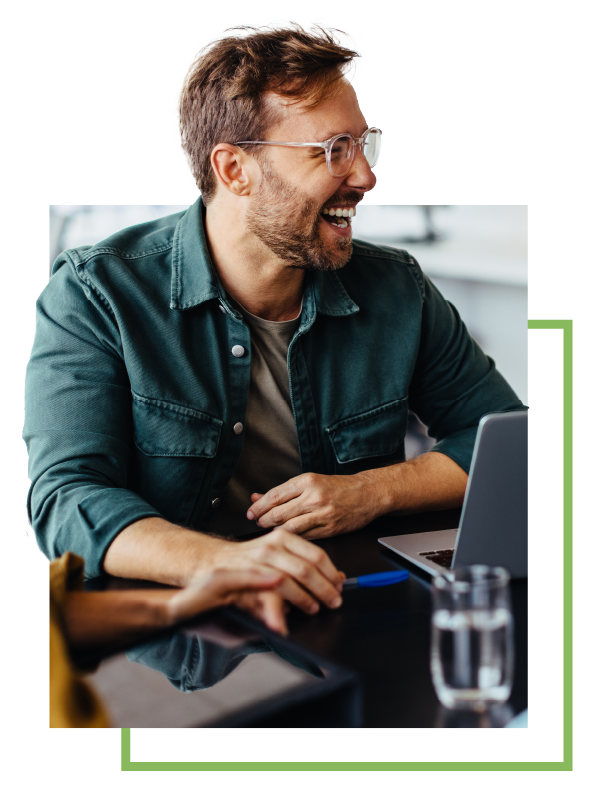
x=318 y=506
x=250 y=589
x=308 y=575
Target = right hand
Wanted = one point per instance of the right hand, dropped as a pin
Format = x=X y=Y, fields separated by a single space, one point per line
x=309 y=577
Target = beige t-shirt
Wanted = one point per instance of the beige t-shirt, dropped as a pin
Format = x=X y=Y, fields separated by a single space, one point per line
x=270 y=453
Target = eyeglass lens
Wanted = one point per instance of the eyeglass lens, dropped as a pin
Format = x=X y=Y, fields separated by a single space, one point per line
x=342 y=152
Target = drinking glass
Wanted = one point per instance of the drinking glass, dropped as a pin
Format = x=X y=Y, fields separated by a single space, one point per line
x=472 y=642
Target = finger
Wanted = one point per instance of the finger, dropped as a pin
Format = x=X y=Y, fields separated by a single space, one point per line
x=295 y=595
x=275 y=497
x=302 y=523
x=279 y=515
x=308 y=575
x=224 y=579
x=314 y=554
x=272 y=611
x=315 y=533
x=219 y=588
x=269 y=607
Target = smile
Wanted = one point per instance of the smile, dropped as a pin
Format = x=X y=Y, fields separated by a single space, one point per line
x=339 y=217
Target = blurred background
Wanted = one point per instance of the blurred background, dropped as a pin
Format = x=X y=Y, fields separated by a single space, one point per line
x=476 y=256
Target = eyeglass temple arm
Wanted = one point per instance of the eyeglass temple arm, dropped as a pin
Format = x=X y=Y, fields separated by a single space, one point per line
x=289 y=144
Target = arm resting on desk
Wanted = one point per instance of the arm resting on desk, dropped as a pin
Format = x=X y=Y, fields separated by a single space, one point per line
x=118 y=618
x=319 y=506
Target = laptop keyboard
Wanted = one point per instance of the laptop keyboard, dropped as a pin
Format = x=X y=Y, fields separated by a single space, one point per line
x=441 y=557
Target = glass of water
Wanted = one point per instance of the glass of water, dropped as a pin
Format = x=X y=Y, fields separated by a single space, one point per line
x=472 y=641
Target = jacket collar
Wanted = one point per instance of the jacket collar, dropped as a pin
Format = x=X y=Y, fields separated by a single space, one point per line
x=194 y=278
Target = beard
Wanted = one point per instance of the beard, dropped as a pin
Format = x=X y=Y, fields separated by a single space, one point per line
x=287 y=221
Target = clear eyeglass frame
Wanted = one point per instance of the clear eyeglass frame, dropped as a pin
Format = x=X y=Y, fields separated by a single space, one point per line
x=371 y=155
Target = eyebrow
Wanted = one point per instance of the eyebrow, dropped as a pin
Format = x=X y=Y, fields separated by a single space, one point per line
x=339 y=133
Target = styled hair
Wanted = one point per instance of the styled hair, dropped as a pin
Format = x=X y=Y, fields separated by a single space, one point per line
x=222 y=96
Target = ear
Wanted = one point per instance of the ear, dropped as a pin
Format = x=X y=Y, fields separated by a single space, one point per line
x=234 y=168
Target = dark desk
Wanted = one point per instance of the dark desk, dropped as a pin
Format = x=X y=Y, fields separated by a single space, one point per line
x=384 y=633
x=381 y=637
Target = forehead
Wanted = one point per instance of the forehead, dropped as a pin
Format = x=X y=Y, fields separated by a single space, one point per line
x=338 y=113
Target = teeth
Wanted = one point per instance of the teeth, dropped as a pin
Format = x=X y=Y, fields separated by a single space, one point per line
x=339 y=212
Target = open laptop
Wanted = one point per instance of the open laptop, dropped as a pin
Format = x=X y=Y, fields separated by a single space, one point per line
x=493 y=525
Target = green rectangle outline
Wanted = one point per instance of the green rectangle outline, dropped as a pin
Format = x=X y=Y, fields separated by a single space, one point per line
x=450 y=766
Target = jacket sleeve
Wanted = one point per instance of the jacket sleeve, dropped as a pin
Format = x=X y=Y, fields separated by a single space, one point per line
x=454 y=383
x=78 y=425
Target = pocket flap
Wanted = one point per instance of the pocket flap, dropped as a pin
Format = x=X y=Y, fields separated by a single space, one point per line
x=378 y=432
x=167 y=429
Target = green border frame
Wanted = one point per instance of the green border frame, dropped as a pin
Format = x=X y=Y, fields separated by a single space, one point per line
x=451 y=766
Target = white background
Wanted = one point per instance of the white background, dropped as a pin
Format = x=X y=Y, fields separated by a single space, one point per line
x=479 y=103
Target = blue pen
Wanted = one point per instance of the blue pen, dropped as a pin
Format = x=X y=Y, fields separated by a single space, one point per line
x=377 y=579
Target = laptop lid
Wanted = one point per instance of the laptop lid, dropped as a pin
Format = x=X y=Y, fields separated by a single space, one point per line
x=494 y=523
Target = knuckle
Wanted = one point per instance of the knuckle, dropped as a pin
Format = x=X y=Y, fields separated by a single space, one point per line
x=264 y=550
x=277 y=537
x=276 y=516
x=273 y=496
x=303 y=571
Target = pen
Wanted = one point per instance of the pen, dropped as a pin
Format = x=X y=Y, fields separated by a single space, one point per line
x=376 y=579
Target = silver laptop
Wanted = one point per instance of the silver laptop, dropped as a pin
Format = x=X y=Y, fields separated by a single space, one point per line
x=493 y=525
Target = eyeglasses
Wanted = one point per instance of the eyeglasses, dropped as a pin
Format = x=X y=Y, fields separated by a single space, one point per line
x=340 y=150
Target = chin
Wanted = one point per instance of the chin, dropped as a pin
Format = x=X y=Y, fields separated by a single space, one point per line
x=328 y=259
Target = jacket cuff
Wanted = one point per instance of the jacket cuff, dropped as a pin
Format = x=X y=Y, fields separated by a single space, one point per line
x=459 y=447
x=96 y=521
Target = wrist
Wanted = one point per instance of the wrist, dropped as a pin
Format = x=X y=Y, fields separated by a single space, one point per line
x=212 y=553
x=378 y=490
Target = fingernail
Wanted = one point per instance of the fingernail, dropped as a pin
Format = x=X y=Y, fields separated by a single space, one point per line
x=313 y=609
x=337 y=601
x=250 y=515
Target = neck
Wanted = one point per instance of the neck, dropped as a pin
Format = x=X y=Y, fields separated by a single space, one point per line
x=248 y=270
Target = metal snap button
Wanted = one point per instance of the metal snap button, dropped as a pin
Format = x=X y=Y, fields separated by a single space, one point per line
x=215 y=502
x=238 y=428
x=222 y=309
x=238 y=350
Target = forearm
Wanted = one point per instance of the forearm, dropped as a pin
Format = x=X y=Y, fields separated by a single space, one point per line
x=429 y=482
x=154 y=549
x=116 y=618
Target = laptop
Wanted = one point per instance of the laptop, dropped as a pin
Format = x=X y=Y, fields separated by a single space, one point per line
x=494 y=521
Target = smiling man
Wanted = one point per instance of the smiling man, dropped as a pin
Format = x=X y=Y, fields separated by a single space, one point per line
x=246 y=365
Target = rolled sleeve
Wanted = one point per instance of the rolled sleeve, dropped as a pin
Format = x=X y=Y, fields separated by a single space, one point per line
x=78 y=424
x=454 y=383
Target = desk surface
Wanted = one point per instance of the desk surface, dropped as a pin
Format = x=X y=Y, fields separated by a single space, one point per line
x=384 y=633
x=381 y=634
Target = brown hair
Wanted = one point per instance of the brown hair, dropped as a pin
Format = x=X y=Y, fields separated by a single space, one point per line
x=222 y=96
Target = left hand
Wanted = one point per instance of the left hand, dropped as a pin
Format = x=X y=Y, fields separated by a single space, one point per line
x=317 y=506
x=250 y=589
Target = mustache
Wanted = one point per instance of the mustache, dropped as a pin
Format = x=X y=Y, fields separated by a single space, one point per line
x=346 y=197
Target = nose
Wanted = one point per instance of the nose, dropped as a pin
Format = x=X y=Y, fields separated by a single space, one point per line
x=360 y=175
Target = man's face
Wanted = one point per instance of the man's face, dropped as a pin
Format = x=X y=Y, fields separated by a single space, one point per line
x=286 y=212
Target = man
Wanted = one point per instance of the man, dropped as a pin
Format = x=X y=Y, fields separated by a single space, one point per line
x=245 y=365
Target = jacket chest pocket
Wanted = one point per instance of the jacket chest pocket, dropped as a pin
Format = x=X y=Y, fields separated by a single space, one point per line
x=174 y=446
x=375 y=437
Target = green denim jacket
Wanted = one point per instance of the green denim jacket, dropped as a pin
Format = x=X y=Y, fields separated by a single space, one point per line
x=133 y=391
